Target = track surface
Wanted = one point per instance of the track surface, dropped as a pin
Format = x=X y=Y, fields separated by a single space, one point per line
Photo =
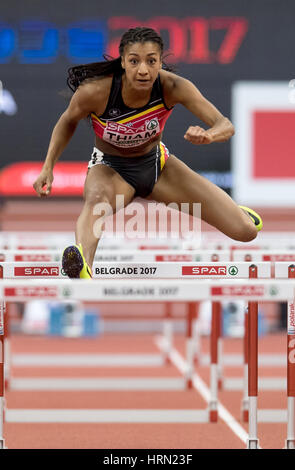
x=134 y=435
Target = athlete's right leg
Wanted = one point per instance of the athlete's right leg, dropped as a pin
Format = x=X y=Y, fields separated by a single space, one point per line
x=101 y=187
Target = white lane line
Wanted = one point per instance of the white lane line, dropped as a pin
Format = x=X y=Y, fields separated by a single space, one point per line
x=204 y=391
x=264 y=360
x=265 y=383
x=272 y=416
x=87 y=360
x=105 y=416
x=81 y=383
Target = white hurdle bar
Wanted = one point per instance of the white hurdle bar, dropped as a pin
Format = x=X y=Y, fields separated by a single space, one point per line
x=150 y=290
x=144 y=270
x=193 y=334
x=169 y=271
x=162 y=270
x=148 y=241
x=120 y=255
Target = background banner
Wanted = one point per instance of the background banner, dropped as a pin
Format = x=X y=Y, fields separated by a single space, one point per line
x=213 y=44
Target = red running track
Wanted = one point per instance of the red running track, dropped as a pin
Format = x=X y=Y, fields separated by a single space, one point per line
x=134 y=435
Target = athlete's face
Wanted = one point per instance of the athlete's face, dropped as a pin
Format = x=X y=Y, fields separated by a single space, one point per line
x=142 y=62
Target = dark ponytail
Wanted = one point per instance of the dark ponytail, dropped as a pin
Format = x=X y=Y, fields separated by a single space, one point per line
x=110 y=66
x=80 y=73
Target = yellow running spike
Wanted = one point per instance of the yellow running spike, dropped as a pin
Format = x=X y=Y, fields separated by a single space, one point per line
x=74 y=264
x=254 y=216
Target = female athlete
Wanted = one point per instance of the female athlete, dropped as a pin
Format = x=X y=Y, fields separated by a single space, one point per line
x=129 y=100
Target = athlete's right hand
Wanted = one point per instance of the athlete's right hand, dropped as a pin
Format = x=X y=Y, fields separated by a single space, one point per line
x=43 y=183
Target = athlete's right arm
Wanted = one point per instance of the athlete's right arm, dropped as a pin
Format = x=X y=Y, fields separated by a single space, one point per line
x=81 y=105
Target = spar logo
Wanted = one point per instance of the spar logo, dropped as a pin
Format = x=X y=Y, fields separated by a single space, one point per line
x=173 y=258
x=238 y=291
x=66 y=292
x=152 y=124
x=33 y=291
x=37 y=257
x=154 y=247
x=204 y=270
x=282 y=257
x=122 y=135
x=31 y=247
x=233 y=270
x=35 y=271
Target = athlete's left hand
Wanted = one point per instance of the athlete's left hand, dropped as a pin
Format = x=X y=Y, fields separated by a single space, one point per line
x=197 y=135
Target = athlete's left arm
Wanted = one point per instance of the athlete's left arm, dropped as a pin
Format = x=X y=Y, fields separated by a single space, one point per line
x=220 y=127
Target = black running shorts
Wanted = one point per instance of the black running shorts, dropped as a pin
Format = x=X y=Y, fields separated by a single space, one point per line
x=140 y=172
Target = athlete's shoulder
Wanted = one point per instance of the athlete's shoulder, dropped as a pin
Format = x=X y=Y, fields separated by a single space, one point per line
x=96 y=86
x=168 y=79
x=93 y=93
x=171 y=83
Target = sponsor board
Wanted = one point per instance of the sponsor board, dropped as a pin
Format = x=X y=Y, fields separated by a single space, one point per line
x=32 y=247
x=154 y=247
x=173 y=258
x=238 y=291
x=241 y=247
x=282 y=257
x=204 y=270
x=36 y=257
x=32 y=291
x=113 y=258
x=142 y=292
x=36 y=271
x=125 y=270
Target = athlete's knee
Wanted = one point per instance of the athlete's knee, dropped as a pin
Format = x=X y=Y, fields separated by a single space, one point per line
x=101 y=195
x=246 y=232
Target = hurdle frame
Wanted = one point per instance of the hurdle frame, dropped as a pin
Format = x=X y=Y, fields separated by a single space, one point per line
x=253 y=289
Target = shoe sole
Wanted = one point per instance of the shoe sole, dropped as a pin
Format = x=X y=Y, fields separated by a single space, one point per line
x=72 y=262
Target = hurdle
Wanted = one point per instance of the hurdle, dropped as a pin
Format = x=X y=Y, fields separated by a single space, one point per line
x=162 y=270
x=285 y=270
x=273 y=256
x=265 y=241
x=193 y=336
x=108 y=241
x=148 y=241
x=119 y=256
x=253 y=290
x=128 y=256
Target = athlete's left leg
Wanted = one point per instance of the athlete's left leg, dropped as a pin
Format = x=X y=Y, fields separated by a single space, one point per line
x=179 y=184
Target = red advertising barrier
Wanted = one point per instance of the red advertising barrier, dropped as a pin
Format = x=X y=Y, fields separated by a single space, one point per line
x=17 y=179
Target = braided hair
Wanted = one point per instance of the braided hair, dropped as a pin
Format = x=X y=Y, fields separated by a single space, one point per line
x=79 y=73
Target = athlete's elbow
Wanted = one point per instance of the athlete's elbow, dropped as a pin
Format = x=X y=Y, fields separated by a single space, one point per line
x=230 y=128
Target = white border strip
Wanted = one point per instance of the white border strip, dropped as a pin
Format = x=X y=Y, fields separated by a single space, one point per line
x=105 y=416
x=204 y=391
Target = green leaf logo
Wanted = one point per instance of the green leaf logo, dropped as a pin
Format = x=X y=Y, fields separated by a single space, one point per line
x=233 y=270
x=66 y=292
x=273 y=290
